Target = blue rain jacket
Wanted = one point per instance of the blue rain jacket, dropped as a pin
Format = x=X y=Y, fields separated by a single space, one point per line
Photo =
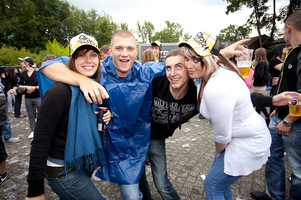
x=129 y=130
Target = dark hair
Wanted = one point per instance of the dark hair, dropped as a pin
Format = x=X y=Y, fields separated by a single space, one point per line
x=84 y=49
x=277 y=50
x=294 y=20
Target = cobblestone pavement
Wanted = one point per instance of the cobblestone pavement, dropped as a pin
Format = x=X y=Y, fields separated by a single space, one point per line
x=189 y=155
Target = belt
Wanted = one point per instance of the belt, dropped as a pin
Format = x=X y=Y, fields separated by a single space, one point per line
x=53 y=172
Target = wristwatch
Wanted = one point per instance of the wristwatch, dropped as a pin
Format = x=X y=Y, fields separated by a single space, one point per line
x=286 y=123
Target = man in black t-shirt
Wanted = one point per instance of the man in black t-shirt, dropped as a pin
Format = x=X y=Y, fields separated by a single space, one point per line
x=174 y=102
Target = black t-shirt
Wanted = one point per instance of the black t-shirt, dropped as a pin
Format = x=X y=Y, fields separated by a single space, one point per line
x=167 y=114
x=273 y=62
x=31 y=81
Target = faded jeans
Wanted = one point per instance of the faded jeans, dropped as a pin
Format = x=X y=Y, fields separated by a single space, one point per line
x=218 y=184
x=75 y=186
x=32 y=106
x=292 y=144
x=157 y=157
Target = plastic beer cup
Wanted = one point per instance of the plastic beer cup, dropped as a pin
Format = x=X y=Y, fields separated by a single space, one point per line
x=294 y=105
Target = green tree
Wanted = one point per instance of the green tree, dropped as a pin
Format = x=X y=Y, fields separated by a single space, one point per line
x=233 y=33
x=172 y=32
x=259 y=18
x=145 y=31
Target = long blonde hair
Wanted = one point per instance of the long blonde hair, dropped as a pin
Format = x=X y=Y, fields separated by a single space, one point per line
x=210 y=63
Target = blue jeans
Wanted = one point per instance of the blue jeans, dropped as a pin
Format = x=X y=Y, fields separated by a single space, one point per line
x=275 y=168
x=218 y=184
x=292 y=146
x=157 y=157
x=32 y=106
x=130 y=192
x=74 y=186
x=6 y=130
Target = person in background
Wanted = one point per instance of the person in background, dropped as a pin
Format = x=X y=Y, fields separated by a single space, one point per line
x=18 y=96
x=148 y=55
x=157 y=46
x=240 y=134
x=6 y=128
x=261 y=77
x=28 y=81
x=105 y=51
x=275 y=64
x=284 y=128
x=66 y=133
x=4 y=175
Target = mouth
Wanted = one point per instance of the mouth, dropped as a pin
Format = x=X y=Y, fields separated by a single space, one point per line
x=124 y=60
x=88 y=68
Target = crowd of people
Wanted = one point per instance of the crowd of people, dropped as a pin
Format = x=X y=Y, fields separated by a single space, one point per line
x=145 y=104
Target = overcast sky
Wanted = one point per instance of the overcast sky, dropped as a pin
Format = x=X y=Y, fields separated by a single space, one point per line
x=192 y=15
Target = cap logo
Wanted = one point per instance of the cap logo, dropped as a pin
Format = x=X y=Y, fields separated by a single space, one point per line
x=83 y=40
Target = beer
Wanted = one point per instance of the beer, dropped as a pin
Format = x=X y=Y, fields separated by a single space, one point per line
x=244 y=71
x=101 y=125
x=294 y=107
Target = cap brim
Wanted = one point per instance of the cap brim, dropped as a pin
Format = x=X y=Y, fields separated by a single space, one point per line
x=95 y=47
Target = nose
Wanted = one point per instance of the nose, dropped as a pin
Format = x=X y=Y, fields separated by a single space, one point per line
x=173 y=72
x=124 y=52
x=88 y=58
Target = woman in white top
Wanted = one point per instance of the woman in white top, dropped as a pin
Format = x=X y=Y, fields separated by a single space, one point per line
x=242 y=140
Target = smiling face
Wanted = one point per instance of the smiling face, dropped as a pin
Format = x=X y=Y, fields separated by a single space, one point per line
x=124 y=53
x=176 y=72
x=196 y=68
x=87 y=62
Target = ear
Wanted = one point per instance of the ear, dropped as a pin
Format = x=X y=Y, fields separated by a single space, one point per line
x=289 y=28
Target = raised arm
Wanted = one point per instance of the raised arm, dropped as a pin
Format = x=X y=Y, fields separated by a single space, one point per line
x=92 y=90
x=234 y=49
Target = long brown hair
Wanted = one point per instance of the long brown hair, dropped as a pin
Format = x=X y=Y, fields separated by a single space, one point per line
x=260 y=55
x=148 y=55
x=84 y=49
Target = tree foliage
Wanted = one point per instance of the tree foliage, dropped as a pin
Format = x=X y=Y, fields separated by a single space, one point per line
x=172 y=32
x=233 y=33
x=145 y=31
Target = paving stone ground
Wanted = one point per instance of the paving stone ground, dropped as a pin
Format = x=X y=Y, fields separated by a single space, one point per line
x=186 y=165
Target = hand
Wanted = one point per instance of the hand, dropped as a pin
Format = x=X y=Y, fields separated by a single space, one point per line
x=275 y=80
x=107 y=117
x=234 y=49
x=272 y=114
x=93 y=91
x=41 y=197
x=282 y=129
x=11 y=91
x=282 y=98
x=30 y=89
